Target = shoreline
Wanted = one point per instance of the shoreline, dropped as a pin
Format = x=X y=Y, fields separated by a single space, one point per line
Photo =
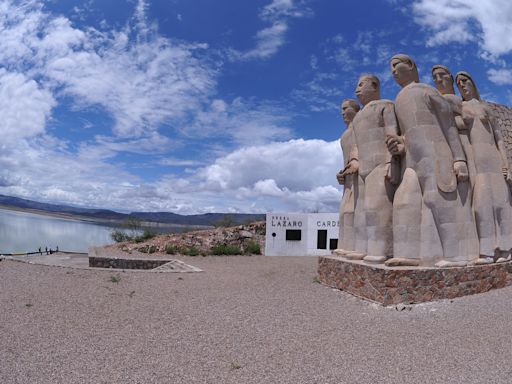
x=106 y=222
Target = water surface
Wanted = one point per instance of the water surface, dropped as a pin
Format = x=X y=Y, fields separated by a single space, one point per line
x=26 y=232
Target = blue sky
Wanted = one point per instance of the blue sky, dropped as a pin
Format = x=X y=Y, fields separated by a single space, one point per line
x=194 y=106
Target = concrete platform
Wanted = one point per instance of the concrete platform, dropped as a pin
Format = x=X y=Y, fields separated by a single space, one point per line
x=395 y=285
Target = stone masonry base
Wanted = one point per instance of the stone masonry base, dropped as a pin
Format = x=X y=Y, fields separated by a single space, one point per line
x=120 y=263
x=394 y=285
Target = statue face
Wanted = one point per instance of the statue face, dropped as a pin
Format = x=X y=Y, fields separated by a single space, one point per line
x=443 y=80
x=348 y=112
x=466 y=87
x=402 y=72
x=366 y=91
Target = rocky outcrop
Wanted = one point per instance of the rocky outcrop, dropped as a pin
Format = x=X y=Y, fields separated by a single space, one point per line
x=247 y=239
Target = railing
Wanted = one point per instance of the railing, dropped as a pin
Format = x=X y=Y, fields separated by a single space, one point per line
x=41 y=253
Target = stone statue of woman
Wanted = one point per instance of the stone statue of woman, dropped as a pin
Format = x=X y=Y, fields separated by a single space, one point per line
x=491 y=197
x=351 y=215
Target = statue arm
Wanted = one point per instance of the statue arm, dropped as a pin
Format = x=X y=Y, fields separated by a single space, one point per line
x=395 y=143
x=448 y=125
x=352 y=166
x=444 y=113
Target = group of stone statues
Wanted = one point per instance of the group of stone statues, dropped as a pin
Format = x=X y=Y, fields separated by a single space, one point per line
x=426 y=176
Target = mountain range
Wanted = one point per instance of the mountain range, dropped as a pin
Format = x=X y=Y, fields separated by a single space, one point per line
x=209 y=219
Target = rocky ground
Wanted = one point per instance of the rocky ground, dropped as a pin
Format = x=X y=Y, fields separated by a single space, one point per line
x=247 y=239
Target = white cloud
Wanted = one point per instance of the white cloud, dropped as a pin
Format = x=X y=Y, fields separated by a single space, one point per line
x=300 y=173
x=270 y=39
x=24 y=106
x=141 y=78
x=159 y=93
x=244 y=122
x=500 y=76
x=461 y=21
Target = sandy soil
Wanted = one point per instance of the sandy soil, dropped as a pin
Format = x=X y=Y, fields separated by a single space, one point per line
x=243 y=320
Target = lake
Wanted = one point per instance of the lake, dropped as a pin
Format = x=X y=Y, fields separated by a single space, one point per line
x=26 y=232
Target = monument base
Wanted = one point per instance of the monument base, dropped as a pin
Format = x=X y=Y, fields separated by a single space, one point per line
x=395 y=285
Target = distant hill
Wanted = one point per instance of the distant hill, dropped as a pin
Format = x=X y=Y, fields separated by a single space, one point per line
x=159 y=217
x=204 y=219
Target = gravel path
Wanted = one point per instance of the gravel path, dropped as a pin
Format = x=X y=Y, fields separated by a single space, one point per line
x=243 y=320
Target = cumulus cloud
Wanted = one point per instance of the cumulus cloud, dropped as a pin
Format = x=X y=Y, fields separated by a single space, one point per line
x=270 y=39
x=244 y=122
x=461 y=21
x=142 y=79
x=300 y=173
x=159 y=93
x=24 y=106
x=500 y=76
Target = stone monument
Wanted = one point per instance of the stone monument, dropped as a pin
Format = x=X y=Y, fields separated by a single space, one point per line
x=434 y=180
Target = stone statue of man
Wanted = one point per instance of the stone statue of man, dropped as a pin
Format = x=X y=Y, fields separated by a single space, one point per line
x=444 y=82
x=351 y=214
x=431 y=225
x=371 y=125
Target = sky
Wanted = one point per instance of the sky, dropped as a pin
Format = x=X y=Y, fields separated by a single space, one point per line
x=196 y=106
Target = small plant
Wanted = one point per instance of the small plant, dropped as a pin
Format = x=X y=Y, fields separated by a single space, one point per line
x=170 y=249
x=253 y=248
x=29 y=305
x=235 y=366
x=119 y=236
x=316 y=279
x=152 y=248
x=223 y=249
x=192 y=251
x=115 y=279
x=146 y=235
x=226 y=221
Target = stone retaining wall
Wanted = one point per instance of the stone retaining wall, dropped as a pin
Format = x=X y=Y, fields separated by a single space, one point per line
x=117 y=263
x=394 y=285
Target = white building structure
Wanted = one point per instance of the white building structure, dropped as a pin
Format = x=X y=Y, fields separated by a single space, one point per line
x=301 y=234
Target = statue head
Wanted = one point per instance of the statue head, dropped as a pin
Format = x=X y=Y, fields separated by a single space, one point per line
x=443 y=79
x=467 y=86
x=404 y=70
x=368 y=88
x=349 y=108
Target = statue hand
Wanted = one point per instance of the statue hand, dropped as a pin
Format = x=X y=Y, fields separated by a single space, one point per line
x=340 y=177
x=396 y=145
x=461 y=170
x=507 y=173
x=352 y=167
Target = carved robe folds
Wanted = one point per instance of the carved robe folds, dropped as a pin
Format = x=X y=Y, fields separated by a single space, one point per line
x=432 y=216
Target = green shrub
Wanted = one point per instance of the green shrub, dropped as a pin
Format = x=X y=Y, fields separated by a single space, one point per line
x=225 y=221
x=192 y=251
x=146 y=235
x=253 y=248
x=170 y=249
x=119 y=236
x=223 y=249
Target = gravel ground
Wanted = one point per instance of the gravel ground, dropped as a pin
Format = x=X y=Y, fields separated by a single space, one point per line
x=242 y=320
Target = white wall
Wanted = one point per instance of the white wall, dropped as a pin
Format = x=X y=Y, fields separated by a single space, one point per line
x=308 y=225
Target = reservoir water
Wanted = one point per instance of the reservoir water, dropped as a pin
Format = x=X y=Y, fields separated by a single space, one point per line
x=26 y=232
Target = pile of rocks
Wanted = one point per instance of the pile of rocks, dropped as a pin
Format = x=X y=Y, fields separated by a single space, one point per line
x=247 y=238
